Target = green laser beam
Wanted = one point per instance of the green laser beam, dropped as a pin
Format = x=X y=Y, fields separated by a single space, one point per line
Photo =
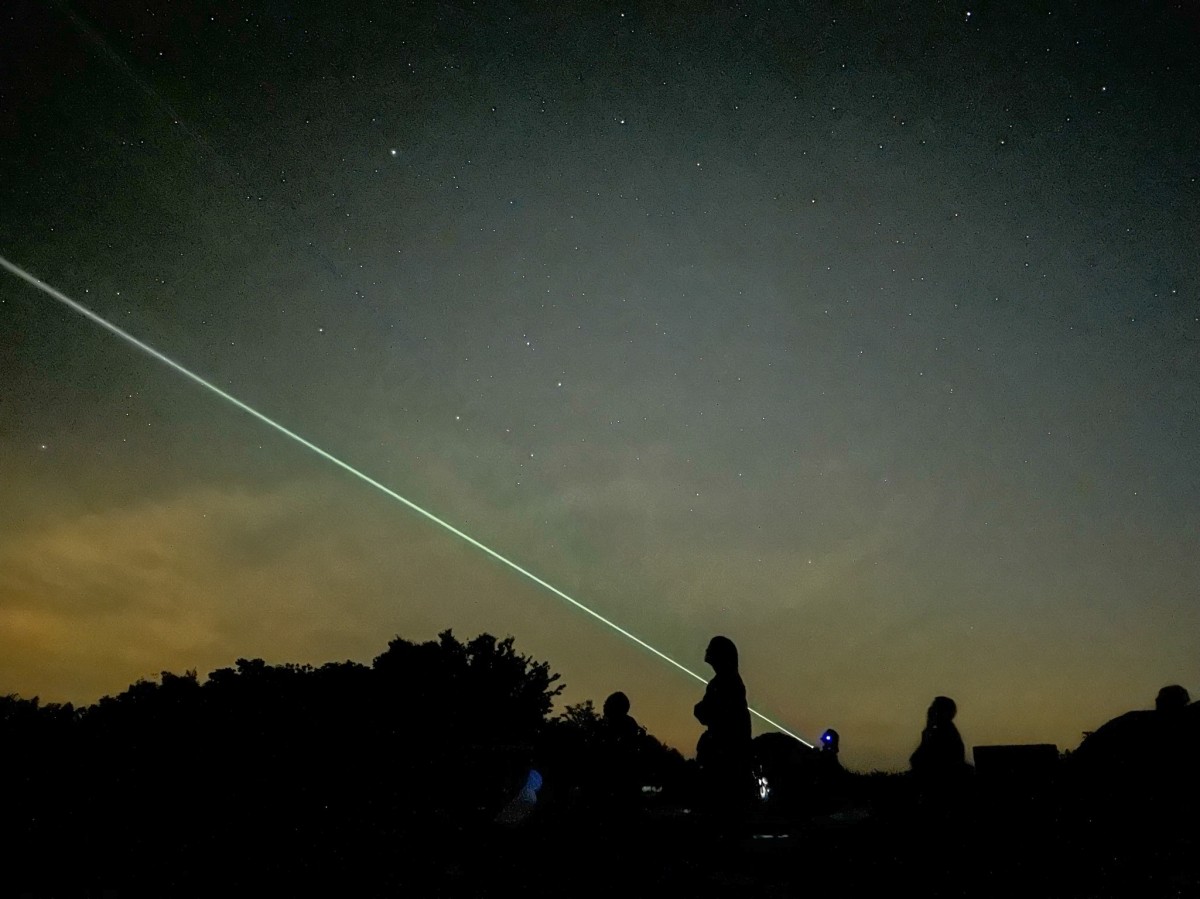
x=345 y=466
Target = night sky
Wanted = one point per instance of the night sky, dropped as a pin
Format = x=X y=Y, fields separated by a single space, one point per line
x=866 y=334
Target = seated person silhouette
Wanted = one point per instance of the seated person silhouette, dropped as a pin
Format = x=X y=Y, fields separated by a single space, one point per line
x=620 y=755
x=939 y=763
x=1144 y=758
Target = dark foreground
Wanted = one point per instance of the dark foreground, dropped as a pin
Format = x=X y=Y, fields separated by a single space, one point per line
x=1013 y=850
x=400 y=779
x=852 y=853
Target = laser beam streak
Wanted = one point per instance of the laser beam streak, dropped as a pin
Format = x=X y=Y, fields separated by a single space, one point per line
x=345 y=466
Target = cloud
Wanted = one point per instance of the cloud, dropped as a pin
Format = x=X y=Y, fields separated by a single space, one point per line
x=90 y=601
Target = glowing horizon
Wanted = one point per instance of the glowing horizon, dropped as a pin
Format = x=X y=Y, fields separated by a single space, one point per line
x=75 y=306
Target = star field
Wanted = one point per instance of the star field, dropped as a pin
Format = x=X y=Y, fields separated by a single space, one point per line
x=867 y=337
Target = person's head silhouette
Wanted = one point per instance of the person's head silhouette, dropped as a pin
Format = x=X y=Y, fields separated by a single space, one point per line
x=1172 y=698
x=616 y=706
x=941 y=711
x=721 y=654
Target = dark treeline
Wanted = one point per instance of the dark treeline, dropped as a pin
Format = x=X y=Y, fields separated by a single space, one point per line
x=265 y=776
x=440 y=769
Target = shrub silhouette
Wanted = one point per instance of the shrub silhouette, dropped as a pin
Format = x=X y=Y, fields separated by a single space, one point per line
x=271 y=774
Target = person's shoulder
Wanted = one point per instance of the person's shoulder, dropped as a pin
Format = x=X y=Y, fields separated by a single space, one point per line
x=1127 y=724
x=1118 y=734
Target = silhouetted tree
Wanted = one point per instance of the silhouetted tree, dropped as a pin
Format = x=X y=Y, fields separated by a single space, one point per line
x=268 y=775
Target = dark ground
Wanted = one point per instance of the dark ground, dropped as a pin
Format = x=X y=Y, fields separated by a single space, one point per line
x=1026 y=852
x=1020 y=852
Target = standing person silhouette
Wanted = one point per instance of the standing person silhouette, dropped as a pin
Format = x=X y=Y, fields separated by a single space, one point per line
x=724 y=753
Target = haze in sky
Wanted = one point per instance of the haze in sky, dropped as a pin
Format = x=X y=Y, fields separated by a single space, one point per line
x=865 y=337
